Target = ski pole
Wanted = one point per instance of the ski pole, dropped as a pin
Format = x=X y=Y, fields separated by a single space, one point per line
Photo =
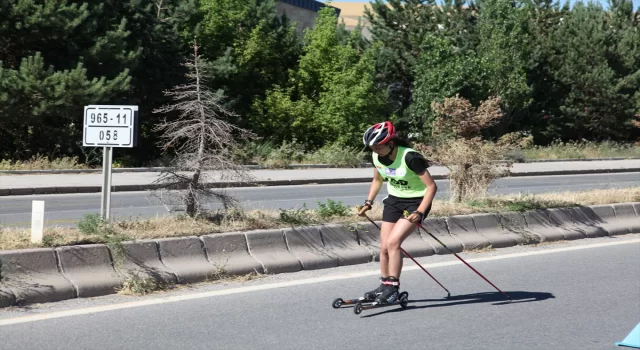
x=414 y=260
x=456 y=255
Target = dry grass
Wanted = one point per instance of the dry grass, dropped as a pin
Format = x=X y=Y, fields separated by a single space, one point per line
x=40 y=162
x=161 y=227
x=135 y=285
x=580 y=150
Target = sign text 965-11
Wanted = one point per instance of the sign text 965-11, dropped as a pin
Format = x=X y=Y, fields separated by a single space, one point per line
x=109 y=126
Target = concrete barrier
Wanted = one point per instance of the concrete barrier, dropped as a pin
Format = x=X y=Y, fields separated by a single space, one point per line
x=490 y=227
x=438 y=227
x=32 y=276
x=627 y=215
x=343 y=243
x=185 y=257
x=6 y=296
x=229 y=252
x=270 y=249
x=606 y=218
x=369 y=238
x=463 y=228
x=142 y=259
x=306 y=244
x=588 y=222
x=515 y=223
x=90 y=269
x=562 y=219
x=538 y=222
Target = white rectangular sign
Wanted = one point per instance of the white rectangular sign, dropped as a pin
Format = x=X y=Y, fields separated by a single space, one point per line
x=110 y=126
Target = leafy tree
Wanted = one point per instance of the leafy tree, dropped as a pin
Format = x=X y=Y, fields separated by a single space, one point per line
x=443 y=71
x=402 y=28
x=331 y=97
x=251 y=49
x=504 y=51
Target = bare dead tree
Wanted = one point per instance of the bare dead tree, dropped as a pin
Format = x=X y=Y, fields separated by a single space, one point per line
x=202 y=141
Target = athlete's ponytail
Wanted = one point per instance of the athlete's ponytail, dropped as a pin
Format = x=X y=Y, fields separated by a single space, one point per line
x=401 y=142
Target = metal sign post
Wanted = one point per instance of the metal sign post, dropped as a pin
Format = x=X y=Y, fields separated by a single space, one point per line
x=108 y=127
x=105 y=204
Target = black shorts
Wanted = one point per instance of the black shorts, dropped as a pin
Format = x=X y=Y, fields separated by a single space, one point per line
x=394 y=207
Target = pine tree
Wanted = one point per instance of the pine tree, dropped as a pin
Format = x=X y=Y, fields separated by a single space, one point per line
x=44 y=85
x=546 y=90
x=598 y=103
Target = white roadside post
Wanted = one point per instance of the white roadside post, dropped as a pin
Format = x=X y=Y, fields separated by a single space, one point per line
x=108 y=127
x=37 y=221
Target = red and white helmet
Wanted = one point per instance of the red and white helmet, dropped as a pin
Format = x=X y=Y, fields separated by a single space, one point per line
x=379 y=134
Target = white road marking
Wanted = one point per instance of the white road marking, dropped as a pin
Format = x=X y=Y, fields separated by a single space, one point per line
x=201 y=295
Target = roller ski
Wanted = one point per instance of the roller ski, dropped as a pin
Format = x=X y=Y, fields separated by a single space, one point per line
x=386 y=294
x=368 y=296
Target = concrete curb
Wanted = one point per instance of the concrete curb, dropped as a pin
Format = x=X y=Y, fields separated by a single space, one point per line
x=90 y=269
x=463 y=228
x=269 y=247
x=186 y=258
x=23 y=191
x=343 y=244
x=142 y=259
x=229 y=253
x=32 y=276
x=46 y=275
x=307 y=246
x=490 y=227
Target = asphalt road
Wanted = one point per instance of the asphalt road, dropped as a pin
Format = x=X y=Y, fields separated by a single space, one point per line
x=577 y=295
x=66 y=209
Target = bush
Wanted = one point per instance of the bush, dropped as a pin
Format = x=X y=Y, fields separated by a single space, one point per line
x=297 y=217
x=253 y=152
x=336 y=154
x=91 y=224
x=457 y=131
x=285 y=155
x=332 y=208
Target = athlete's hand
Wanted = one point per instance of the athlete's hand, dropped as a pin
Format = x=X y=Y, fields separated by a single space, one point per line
x=363 y=209
x=414 y=217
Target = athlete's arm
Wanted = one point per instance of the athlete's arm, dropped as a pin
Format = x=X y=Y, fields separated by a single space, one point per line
x=374 y=188
x=418 y=164
x=432 y=188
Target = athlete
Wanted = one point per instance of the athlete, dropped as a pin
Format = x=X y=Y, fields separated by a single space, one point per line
x=411 y=188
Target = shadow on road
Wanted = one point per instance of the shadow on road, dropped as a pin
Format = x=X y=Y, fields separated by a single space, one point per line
x=489 y=297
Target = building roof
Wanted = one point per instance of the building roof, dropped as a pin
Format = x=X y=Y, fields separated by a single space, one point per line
x=311 y=5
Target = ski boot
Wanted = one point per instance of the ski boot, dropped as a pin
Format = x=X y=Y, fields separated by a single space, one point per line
x=389 y=293
x=372 y=295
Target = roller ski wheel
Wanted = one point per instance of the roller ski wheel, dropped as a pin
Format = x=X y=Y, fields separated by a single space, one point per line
x=403 y=299
x=339 y=302
x=358 y=308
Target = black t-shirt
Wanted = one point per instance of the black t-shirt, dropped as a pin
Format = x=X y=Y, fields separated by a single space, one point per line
x=414 y=160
